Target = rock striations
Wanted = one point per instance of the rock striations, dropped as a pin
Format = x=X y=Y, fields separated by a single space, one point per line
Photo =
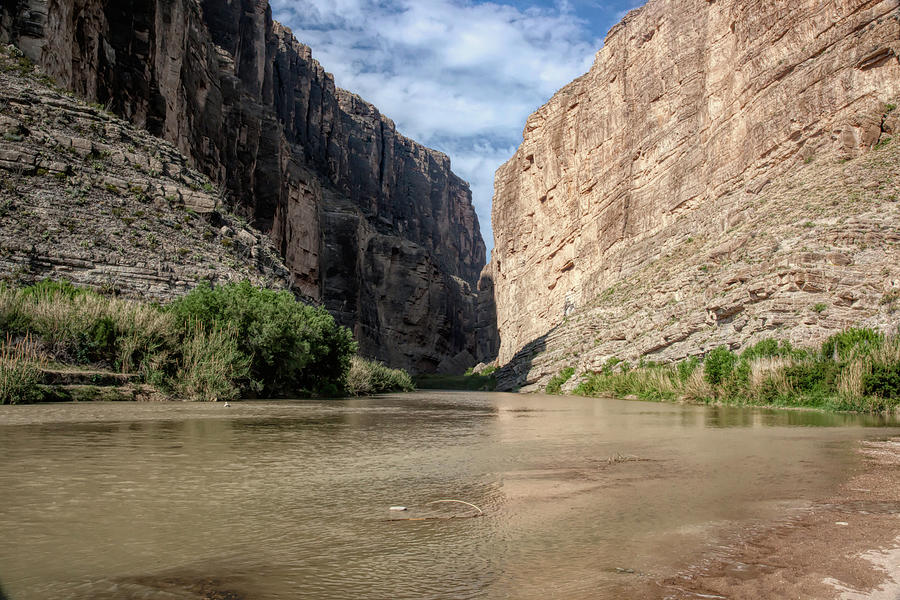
x=89 y=197
x=369 y=222
x=723 y=172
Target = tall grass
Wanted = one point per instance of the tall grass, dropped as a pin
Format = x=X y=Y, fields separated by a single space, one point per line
x=213 y=343
x=371 y=377
x=210 y=364
x=20 y=371
x=77 y=325
x=559 y=380
x=856 y=369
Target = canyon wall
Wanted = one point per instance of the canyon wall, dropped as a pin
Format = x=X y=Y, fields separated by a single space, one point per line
x=90 y=198
x=341 y=193
x=641 y=214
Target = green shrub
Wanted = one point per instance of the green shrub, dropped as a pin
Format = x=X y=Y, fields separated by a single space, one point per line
x=210 y=366
x=740 y=375
x=372 y=377
x=883 y=381
x=813 y=377
x=718 y=364
x=292 y=347
x=557 y=381
x=686 y=368
x=610 y=364
x=97 y=343
x=850 y=342
x=771 y=348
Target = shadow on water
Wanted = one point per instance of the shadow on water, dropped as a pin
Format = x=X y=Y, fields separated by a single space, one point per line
x=742 y=416
x=3 y=595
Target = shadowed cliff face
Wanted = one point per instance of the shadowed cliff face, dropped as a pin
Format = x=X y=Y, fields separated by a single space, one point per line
x=650 y=169
x=245 y=101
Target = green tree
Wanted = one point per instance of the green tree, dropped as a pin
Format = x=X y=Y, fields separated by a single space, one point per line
x=292 y=347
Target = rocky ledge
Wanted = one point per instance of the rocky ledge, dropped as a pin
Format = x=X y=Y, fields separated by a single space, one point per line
x=88 y=197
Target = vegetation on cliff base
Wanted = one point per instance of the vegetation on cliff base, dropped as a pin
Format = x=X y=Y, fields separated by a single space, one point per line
x=290 y=346
x=554 y=386
x=214 y=343
x=856 y=370
x=20 y=371
x=372 y=377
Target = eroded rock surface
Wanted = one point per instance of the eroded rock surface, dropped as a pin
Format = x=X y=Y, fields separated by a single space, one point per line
x=88 y=197
x=641 y=215
x=246 y=102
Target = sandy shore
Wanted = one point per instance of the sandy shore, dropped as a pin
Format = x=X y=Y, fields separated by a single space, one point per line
x=846 y=547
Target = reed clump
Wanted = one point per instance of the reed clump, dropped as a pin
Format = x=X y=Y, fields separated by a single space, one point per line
x=210 y=365
x=368 y=377
x=20 y=371
x=854 y=370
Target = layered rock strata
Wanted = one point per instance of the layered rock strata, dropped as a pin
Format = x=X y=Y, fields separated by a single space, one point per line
x=645 y=187
x=245 y=101
x=88 y=197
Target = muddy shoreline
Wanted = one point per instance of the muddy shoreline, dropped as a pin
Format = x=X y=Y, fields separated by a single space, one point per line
x=844 y=547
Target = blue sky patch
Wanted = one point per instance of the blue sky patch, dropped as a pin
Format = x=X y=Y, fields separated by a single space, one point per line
x=460 y=76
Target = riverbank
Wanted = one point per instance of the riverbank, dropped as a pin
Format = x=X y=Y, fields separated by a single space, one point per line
x=855 y=370
x=64 y=343
x=846 y=546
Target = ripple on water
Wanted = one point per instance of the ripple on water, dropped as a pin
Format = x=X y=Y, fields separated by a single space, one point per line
x=288 y=500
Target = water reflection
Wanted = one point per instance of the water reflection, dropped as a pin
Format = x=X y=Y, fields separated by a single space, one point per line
x=288 y=500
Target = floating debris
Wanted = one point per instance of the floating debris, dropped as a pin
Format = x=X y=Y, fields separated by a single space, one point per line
x=480 y=512
x=620 y=458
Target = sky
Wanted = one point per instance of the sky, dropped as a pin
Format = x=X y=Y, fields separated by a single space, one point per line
x=460 y=76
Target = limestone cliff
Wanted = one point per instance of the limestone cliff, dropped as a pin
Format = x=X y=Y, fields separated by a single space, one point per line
x=723 y=172
x=90 y=198
x=246 y=102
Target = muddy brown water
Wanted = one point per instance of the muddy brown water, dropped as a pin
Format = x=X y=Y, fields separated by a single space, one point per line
x=583 y=498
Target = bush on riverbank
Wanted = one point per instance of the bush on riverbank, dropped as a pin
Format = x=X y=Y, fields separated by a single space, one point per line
x=20 y=371
x=291 y=346
x=857 y=369
x=368 y=377
x=214 y=343
x=211 y=365
x=554 y=386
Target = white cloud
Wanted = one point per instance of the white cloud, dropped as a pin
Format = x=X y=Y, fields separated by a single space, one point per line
x=453 y=74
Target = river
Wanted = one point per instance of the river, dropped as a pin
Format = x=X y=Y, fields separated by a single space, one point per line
x=582 y=498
